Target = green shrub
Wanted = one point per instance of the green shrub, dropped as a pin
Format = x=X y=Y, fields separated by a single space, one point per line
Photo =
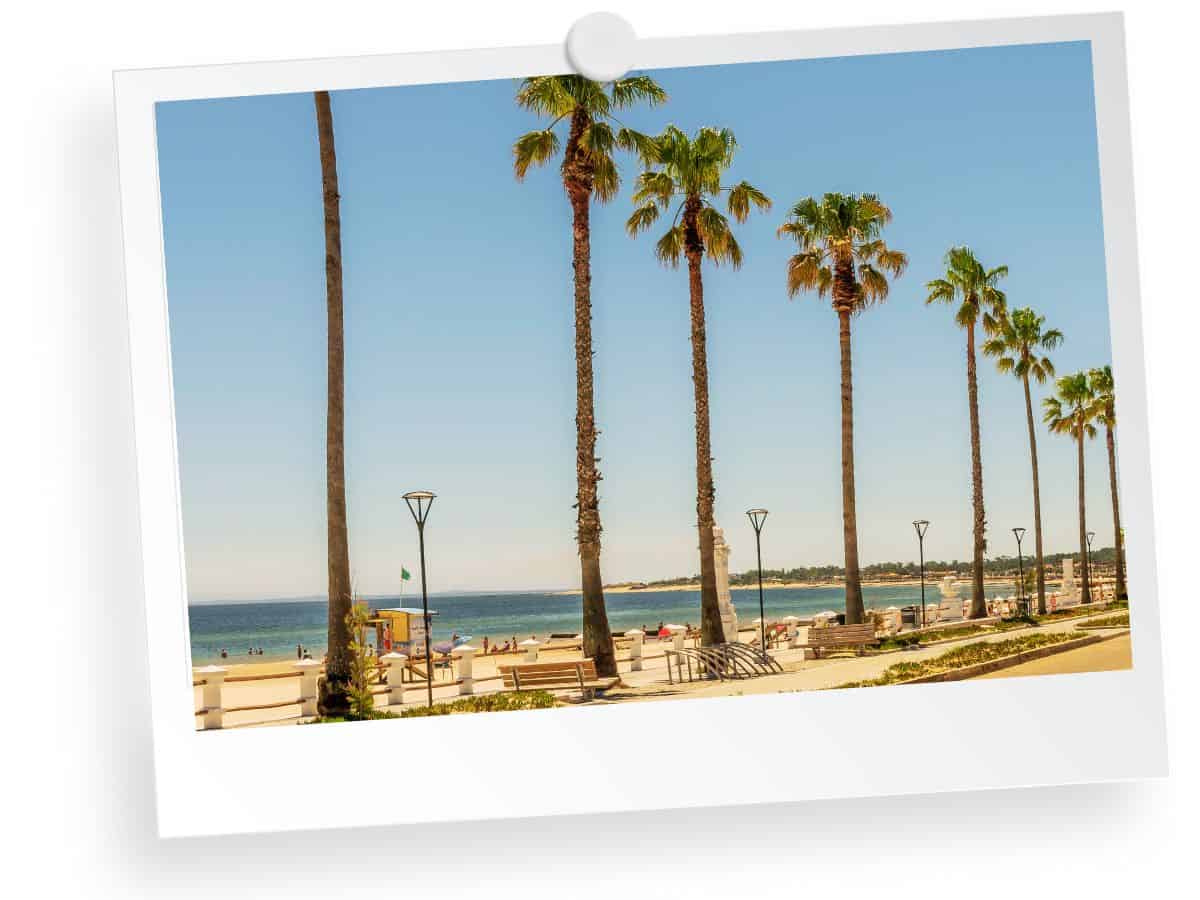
x=362 y=703
x=961 y=657
x=503 y=702
x=1121 y=621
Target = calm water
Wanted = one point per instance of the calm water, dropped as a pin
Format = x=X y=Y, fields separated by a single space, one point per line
x=278 y=625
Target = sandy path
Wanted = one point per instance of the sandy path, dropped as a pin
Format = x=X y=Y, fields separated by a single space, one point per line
x=1108 y=656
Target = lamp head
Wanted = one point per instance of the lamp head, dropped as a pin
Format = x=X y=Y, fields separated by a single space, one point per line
x=1020 y=533
x=418 y=504
x=757 y=518
x=921 y=525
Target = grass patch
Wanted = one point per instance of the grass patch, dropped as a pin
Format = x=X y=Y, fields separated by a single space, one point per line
x=1120 y=621
x=502 y=702
x=961 y=657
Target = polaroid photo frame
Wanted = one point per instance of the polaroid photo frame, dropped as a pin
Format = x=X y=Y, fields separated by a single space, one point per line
x=849 y=743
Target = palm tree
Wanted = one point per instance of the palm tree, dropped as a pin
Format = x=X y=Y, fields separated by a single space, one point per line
x=1101 y=381
x=334 y=697
x=841 y=254
x=688 y=171
x=981 y=302
x=587 y=171
x=1019 y=348
x=1072 y=412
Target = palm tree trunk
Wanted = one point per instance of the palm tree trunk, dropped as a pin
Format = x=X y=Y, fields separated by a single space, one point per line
x=1037 y=501
x=597 y=636
x=1122 y=588
x=978 y=601
x=1086 y=594
x=711 y=631
x=333 y=699
x=854 y=599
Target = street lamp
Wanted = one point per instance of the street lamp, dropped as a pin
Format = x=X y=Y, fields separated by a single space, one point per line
x=1021 y=601
x=757 y=518
x=419 y=503
x=922 y=526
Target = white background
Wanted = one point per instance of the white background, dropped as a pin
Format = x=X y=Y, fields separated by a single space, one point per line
x=79 y=793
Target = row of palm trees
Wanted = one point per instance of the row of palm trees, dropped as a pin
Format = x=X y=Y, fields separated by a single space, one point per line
x=840 y=254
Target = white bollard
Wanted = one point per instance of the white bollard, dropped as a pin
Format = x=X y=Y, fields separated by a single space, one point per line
x=310 y=669
x=531 y=649
x=395 y=677
x=793 y=628
x=636 y=636
x=210 y=695
x=678 y=633
x=466 y=654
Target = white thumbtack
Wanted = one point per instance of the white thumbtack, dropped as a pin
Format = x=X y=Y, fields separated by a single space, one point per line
x=600 y=46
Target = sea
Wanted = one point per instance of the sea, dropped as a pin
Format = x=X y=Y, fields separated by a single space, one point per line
x=277 y=626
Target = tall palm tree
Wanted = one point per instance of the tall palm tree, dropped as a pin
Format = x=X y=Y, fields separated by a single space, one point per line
x=1101 y=381
x=981 y=302
x=1019 y=347
x=686 y=174
x=588 y=171
x=334 y=698
x=842 y=254
x=1072 y=411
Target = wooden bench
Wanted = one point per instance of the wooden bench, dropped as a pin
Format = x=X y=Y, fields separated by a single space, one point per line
x=549 y=676
x=838 y=637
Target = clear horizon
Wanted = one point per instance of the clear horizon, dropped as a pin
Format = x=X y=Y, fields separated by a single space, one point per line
x=459 y=338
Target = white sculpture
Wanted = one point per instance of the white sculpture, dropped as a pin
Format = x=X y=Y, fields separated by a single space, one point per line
x=951 y=608
x=724 y=600
x=1069 y=595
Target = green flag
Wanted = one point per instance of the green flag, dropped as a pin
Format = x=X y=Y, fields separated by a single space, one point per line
x=404 y=575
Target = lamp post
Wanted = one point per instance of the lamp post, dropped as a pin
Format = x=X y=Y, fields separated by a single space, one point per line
x=921 y=526
x=419 y=503
x=757 y=518
x=1021 y=601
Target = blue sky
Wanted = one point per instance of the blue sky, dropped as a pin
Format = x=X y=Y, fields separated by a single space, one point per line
x=459 y=325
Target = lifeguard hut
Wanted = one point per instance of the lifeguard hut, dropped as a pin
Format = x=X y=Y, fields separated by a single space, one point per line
x=400 y=630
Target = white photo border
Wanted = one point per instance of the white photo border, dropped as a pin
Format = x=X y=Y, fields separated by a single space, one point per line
x=815 y=745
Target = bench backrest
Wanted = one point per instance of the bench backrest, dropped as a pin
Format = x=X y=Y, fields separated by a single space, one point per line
x=547 y=674
x=834 y=635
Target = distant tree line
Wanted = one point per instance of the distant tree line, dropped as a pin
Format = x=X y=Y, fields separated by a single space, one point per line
x=934 y=569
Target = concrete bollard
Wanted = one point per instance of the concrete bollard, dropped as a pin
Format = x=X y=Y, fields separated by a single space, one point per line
x=793 y=628
x=531 y=649
x=395 y=677
x=466 y=654
x=310 y=670
x=636 y=637
x=678 y=633
x=210 y=695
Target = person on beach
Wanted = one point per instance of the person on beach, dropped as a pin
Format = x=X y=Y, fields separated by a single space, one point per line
x=299 y=652
x=485 y=644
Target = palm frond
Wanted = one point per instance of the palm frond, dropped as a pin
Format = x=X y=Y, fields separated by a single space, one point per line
x=643 y=217
x=669 y=249
x=742 y=195
x=533 y=149
x=631 y=90
x=546 y=95
x=807 y=272
x=605 y=180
